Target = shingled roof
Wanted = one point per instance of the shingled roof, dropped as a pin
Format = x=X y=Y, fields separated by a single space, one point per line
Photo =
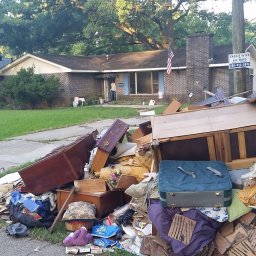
x=121 y=62
x=132 y=60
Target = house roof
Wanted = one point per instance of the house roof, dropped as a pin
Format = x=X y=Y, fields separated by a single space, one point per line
x=4 y=62
x=121 y=62
x=133 y=60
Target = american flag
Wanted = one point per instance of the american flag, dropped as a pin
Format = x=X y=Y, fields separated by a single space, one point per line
x=169 y=61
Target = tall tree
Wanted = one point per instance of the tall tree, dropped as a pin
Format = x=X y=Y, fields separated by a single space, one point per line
x=36 y=25
x=148 y=24
x=84 y=27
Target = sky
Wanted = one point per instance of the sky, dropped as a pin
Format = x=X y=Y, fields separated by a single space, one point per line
x=226 y=6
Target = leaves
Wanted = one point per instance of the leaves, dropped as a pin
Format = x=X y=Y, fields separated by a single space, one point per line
x=29 y=89
x=89 y=27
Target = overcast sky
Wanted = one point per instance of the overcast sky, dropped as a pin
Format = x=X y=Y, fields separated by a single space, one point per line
x=226 y=6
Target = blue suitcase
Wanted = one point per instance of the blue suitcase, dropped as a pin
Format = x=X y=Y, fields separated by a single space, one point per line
x=194 y=184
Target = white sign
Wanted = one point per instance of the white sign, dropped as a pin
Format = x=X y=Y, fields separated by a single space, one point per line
x=239 y=60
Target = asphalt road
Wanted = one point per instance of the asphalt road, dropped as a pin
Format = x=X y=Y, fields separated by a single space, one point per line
x=10 y=246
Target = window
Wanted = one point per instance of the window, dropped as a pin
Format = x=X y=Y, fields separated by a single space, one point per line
x=143 y=82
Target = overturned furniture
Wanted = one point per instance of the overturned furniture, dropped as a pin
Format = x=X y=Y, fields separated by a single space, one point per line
x=222 y=133
x=107 y=143
x=60 y=167
x=189 y=146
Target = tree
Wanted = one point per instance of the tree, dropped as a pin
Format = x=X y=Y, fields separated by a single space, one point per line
x=141 y=24
x=37 y=25
x=89 y=27
x=27 y=89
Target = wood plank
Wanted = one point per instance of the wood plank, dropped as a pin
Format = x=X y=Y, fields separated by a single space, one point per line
x=55 y=169
x=219 y=146
x=243 y=129
x=125 y=182
x=211 y=147
x=193 y=107
x=112 y=136
x=241 y=163
x=203 y=121
x=99 y=160
x=242 y=145
x=172 y=107
x=145 y=140
x=225 y=139
x=72 y=170
x=137 y=134
x=90 y=185
x=156 y=154
x=187 y=137
x=59 y=215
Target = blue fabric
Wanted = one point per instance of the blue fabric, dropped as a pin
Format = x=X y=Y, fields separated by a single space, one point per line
x=33 y=205
x=30 y=204
x=171 y=179
x=104 y=242
x=104 y=231
x=16 y=197
x=203 y=234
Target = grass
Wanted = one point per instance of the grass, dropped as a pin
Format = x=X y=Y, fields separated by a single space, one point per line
x=43 y=233
x=20 y=122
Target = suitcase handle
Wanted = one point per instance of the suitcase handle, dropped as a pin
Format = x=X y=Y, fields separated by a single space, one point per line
x=187 y=173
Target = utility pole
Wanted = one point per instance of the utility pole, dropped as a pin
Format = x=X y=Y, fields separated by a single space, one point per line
x=238 y=39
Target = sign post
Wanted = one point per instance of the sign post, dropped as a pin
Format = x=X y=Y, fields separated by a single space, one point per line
x=239 y=60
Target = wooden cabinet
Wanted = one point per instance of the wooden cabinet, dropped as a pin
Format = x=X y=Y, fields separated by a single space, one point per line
x=105 y=202
x=224 y=133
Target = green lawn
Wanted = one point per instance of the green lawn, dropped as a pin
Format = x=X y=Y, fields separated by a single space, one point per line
x=20 y=122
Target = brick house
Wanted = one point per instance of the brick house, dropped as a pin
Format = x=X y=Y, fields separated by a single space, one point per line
x=141 y=76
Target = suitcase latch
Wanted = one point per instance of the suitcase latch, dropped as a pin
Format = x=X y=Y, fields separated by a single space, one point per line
x=172 y=194
x=217 y=193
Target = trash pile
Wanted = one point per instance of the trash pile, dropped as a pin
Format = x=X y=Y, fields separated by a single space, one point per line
x=181 y=184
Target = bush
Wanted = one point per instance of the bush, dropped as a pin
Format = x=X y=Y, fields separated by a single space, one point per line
x=27 y=89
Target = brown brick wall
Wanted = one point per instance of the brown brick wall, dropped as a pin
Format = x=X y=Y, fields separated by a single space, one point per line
x=79 y=85
x=220 y=77
x=175 y=85
x=198 y=54
x=84 y=85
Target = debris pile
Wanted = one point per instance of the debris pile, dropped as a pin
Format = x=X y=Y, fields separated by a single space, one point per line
x=181 y=184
